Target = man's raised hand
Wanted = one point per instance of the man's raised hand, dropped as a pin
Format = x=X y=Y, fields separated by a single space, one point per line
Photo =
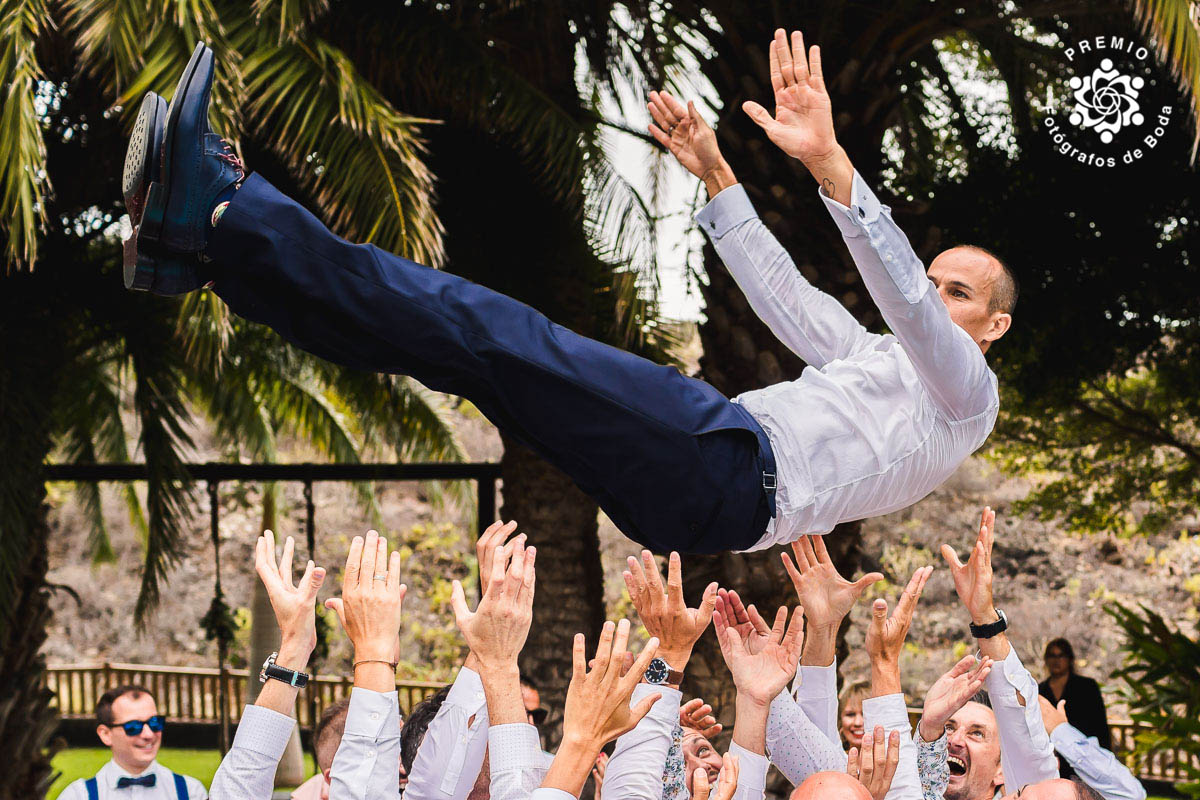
x=745 y=620
x=697 y=714
x=950 y=693
x=874 y=765
x=802 y=125
x=294 y=605
x=727 y=780
x=973 y=580
x=1052 y=715
x=496 y=631
x=827 y=597
x=663 y=610
x=761 y=676
x=886 y=634
x=690 y=139
x=488 y=544
x=370 y=610
x=597 y=707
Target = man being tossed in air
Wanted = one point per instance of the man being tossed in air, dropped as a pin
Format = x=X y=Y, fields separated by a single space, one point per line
x=873 y=425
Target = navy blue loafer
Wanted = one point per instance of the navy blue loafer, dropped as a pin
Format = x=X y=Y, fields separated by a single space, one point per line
x=196 y=167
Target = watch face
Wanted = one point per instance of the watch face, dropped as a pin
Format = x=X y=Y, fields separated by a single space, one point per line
x=657 y=671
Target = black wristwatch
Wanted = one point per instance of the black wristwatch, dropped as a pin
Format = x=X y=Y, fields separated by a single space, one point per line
x=660 y=672
x=992 y=628
x=289 y=676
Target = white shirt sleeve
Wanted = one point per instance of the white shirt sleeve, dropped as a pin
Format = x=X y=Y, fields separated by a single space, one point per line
x=248 y=770
x=552 y=794
x=752 y=773
x=797 y=746
x=516 y=759
x=75 y=790
x=196 y=788
x=1025 y=750
x=809 y=322
x=635 y=770
x=890 y=712
x=367 y=762
x=451 y=754
x=816 y=694
x=951 y=366
x=1097 y=767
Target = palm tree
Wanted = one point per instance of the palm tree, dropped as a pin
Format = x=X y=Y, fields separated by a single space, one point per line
x=323 y=125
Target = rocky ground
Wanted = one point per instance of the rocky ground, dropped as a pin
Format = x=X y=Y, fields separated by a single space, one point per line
x=1050 y=583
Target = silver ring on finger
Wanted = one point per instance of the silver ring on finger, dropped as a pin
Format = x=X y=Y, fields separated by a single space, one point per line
x=381 y=576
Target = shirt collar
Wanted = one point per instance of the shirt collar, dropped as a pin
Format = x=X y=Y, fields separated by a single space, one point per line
x=111 y=772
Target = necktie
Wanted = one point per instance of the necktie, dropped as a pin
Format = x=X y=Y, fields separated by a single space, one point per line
x=145 y=780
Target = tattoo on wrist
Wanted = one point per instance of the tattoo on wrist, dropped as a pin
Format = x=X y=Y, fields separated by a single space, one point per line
x=829 y=186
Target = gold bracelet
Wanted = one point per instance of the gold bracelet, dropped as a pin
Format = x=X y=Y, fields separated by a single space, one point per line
x=391 y=664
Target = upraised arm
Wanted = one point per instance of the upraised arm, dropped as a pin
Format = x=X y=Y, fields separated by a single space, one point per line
x=950 y=364
x=809 y=322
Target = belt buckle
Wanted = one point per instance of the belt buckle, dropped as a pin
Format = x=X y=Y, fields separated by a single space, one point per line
x=769 y=482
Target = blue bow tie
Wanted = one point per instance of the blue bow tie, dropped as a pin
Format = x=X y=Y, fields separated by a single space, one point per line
x=145 y=780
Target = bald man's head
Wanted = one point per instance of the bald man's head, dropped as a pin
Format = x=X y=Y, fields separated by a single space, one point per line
x=830 y=786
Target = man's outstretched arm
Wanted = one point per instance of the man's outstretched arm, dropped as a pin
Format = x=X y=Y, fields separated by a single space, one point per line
x=809 y=322
x=949 y=362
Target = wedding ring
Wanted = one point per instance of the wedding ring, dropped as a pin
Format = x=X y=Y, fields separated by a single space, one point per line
x=381 y=576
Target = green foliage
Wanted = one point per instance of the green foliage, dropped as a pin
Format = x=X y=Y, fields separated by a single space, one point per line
x=1162 y=684
x=1123 y=456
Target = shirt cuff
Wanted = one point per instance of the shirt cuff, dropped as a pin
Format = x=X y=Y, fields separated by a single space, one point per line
x=370 y=712
x=666 y=709
x=513 y=747
x=863 y=211
x=1007 y=678
x=467 y=692
x=1067 y=736
x=888 y=711
x=263 y=731
x=752 y=768
x=818 y=683
x=730 y=208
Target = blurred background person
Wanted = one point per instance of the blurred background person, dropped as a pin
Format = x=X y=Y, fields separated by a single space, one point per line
x=1085 y=703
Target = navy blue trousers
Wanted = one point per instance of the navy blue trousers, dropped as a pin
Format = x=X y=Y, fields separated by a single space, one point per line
x=671 y=460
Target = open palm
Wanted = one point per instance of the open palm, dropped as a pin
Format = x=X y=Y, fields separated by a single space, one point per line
x=684 y=132
x=827 y=597
x=802 y=125
x=764 y=674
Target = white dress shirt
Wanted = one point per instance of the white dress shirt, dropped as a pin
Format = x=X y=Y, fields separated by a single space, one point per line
x=796 y=745
x=815 y=690
x=451 y=754
x=635 y=770
x=248 y=770
x=875 y=422
x=110 y=773
x=366 y=765
x=1025 y=750
x=890 y=712
x=517 y=762
x=1097 y=767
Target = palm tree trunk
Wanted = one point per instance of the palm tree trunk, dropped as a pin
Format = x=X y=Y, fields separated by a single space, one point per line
x=28 y=377
x=561 y=522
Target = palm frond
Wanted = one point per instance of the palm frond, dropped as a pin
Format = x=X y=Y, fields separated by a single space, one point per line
x=158 y=401
x=1175 y=27
x=360 y=158
x=291 y=17
x=110 y=36
x=23 y=175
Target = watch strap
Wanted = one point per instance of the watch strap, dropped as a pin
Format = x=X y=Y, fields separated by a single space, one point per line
x=992 y=628
x=272 y=671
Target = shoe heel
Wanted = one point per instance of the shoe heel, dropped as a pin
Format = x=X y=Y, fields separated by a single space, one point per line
x=138 y=265
x=150 y=231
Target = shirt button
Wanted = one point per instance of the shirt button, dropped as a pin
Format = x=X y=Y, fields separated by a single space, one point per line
x=374 y=715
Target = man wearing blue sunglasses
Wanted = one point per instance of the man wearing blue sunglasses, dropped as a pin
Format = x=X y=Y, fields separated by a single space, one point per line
x=128 y=722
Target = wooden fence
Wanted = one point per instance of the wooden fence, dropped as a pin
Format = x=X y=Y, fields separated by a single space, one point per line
x=190 y=694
